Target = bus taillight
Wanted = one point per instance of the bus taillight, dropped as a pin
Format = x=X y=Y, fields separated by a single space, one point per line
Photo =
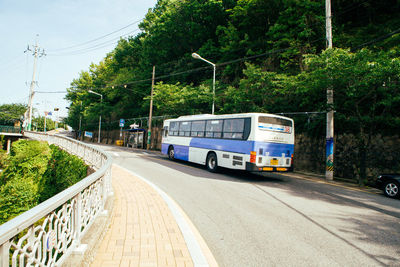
x=253 y=156
x=291 y=160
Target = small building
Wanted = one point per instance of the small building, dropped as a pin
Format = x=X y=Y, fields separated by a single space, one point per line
x=134 y=138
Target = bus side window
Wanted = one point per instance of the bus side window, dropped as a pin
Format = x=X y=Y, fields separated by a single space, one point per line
x=217 y=135
x=214 y=128
x=198 y=128
x=233 y=128
x=184 y=129
x=173 y=128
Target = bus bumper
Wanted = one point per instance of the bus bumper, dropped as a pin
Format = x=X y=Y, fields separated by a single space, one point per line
x=251 y=167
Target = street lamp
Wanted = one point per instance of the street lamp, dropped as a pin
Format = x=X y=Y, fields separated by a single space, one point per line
x=197 y=56
x=101 y=101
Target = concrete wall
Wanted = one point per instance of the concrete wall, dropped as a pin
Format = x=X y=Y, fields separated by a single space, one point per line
x=381 y=156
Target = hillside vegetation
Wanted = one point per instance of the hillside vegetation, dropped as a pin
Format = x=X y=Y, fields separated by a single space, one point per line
x=32 y=173
x=270 y=57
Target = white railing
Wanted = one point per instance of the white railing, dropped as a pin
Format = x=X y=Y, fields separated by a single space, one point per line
x=48 y=233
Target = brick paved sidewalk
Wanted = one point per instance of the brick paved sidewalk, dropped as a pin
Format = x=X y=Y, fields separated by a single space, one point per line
x=143 y=231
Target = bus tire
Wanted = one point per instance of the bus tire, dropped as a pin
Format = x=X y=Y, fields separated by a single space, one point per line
x=171 y=153
x=212 y=162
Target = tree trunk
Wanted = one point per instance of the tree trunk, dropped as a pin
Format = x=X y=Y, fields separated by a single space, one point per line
x=363 y=165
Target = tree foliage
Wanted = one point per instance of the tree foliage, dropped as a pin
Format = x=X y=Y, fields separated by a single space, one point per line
x=270 y=57
x=221 y=31
x=9 y=113
x=39 y=123
x=175 y=99
x=63 y=170
x=33 y=172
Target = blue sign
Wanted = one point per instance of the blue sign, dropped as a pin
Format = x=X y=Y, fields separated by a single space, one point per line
x=89 y=134
x=121 y=122
x=329 y=154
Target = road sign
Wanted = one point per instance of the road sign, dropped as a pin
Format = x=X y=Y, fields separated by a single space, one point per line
x=121 y=123
x=89 y=134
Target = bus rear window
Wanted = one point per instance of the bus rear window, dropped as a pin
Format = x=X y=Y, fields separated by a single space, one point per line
x=274 y=124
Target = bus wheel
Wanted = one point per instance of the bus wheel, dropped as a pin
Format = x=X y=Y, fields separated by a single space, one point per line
x=212 y=163
x=171 y=152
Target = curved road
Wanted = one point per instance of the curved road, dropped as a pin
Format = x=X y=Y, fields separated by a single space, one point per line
x=252 y=220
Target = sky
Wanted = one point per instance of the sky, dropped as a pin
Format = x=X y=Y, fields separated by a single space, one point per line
x=65 y=30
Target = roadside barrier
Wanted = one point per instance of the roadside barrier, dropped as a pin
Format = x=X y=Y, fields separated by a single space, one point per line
x=50 y=232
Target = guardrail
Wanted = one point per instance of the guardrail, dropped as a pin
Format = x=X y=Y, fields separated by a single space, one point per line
x=9 y=129
x=48 y=233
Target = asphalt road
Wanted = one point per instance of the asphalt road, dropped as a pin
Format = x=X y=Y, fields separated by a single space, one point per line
x=275 y=220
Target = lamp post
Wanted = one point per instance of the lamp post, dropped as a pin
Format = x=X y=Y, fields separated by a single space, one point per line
x=197 y=56
x=101 y=101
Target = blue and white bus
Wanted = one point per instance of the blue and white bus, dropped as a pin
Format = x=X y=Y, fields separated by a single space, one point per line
x=246 y=141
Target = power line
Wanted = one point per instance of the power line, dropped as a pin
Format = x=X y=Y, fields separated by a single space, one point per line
x=351 y=7
x=14 y=61
x=95 y=47
x=381 y=38
x=53 y=92
x=98 y=38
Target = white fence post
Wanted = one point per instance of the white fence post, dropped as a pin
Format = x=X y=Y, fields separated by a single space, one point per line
x=77 y=219
x=4 y=254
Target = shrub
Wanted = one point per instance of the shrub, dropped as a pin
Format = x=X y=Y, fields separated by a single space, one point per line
x=63 y=171
x=28 y=159
x=34 y=172
x=16 y=197
x=3 y=161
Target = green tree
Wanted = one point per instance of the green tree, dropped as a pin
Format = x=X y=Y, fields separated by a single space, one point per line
x=366 y=93
x=9 y=113
x=38 y=124
x=260 y=91
x=223 y=31
x=177 y=99
x=297 y=31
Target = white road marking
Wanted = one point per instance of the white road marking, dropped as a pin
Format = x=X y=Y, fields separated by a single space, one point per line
x=115 y=154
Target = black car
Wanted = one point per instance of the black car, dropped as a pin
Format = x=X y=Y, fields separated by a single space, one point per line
x=390 y=184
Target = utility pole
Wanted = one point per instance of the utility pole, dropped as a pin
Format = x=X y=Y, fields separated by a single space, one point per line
x=56 y=110
x=151 y=109
x=45 y=117
x=37 y=52
x=80 y=121
x=329 y=98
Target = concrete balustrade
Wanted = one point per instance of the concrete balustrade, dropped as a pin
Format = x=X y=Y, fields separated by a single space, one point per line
x=49 y=233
